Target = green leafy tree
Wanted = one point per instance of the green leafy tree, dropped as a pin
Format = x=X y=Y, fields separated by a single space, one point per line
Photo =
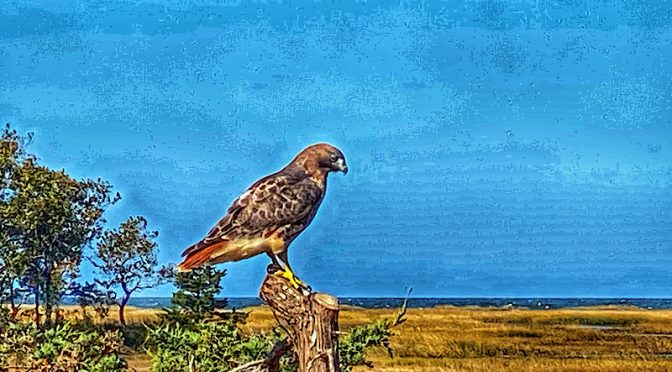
x=13 y=260
x=92 y=295
x=12 y=265
x=64 y=215
x=127 y=258
x=49 y=218
x=196 y=291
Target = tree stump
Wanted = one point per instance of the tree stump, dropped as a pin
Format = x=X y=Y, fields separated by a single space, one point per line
x=310 y=319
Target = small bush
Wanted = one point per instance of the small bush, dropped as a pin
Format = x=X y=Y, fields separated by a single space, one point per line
x=352 y=347
x=203 y=346
x=196 y=290
x=61 y=348
x=134 y=335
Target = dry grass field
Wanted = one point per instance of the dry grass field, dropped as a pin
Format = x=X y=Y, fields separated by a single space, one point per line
x=480 y=339
x=476 y=339
x=490 y=339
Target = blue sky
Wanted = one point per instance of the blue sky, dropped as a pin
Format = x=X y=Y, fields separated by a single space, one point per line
x=496 y=148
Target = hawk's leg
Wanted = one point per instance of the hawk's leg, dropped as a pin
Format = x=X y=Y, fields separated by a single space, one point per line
x=276 y=268
x=276 y=265
x=288 y=273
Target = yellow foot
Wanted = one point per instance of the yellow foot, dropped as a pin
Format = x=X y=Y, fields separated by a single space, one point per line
x=293 y=280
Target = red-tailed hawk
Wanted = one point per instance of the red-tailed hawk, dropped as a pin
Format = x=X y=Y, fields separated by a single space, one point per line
x=271 y=213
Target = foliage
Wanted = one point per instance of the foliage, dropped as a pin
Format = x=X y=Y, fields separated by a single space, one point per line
x=126 y=258
x=12 y=259
x=92 y=295
x=57 y=217
x=48 y=218
x=16 y=340
x=188 y=340
x=12 y=151
x=194 y=335
x=4 y=324
x=214 y=346
x=60 y=348
x=196 y=291
x=74 y=349
x=187 y=343
x=135 y=334
x=352 y=348
x=204 y=346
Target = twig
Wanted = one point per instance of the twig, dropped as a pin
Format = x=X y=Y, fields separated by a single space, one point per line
x=271 y=363
x=402 y=312
x=257 y=365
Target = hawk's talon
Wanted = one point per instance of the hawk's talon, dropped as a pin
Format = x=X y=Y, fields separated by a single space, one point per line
x=293 y=279
x=273 y=269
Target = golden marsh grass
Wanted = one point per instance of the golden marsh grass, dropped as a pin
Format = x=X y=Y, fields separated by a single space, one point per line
x=493 y=339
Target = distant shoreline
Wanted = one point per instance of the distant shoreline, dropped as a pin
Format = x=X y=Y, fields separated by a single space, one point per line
x=430 y=302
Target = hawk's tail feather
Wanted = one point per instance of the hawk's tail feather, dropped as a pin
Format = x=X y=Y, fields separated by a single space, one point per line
x=198 y=256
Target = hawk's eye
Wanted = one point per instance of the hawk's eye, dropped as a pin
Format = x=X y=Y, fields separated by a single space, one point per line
x=333 y=156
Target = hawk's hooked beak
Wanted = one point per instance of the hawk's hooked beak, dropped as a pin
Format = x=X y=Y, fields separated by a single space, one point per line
x=341 y=166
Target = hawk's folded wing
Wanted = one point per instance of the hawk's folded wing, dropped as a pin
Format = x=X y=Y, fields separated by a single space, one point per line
x=278 y=200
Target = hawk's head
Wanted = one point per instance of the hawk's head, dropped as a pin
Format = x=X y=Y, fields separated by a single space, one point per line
x=324 y=157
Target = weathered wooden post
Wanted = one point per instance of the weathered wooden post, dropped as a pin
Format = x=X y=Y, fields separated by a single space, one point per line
x=310 y=319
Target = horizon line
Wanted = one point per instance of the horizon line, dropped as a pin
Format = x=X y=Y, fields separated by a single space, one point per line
x=465 y=297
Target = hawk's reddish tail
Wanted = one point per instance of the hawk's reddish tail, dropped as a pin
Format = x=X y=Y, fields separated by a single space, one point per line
x=196 y=256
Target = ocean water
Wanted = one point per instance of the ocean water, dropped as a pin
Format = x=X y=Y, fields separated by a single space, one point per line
x=391 y=302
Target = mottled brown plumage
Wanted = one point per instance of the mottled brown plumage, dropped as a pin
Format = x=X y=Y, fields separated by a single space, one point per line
x=271 y=213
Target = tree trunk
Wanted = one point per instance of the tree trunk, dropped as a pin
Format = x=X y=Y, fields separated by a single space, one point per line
x=122 y=307
x=12 y=301
x=37 y=305
x=311 y=320
x=48 y=294
x=47 y=308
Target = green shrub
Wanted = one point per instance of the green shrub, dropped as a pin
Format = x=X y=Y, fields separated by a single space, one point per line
x=196 y=291
x=17 y=341
x=134 y=335
x=61 y=348
x=203 y=346
x=196 y=335
x=352 y=347
x=220 y=346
